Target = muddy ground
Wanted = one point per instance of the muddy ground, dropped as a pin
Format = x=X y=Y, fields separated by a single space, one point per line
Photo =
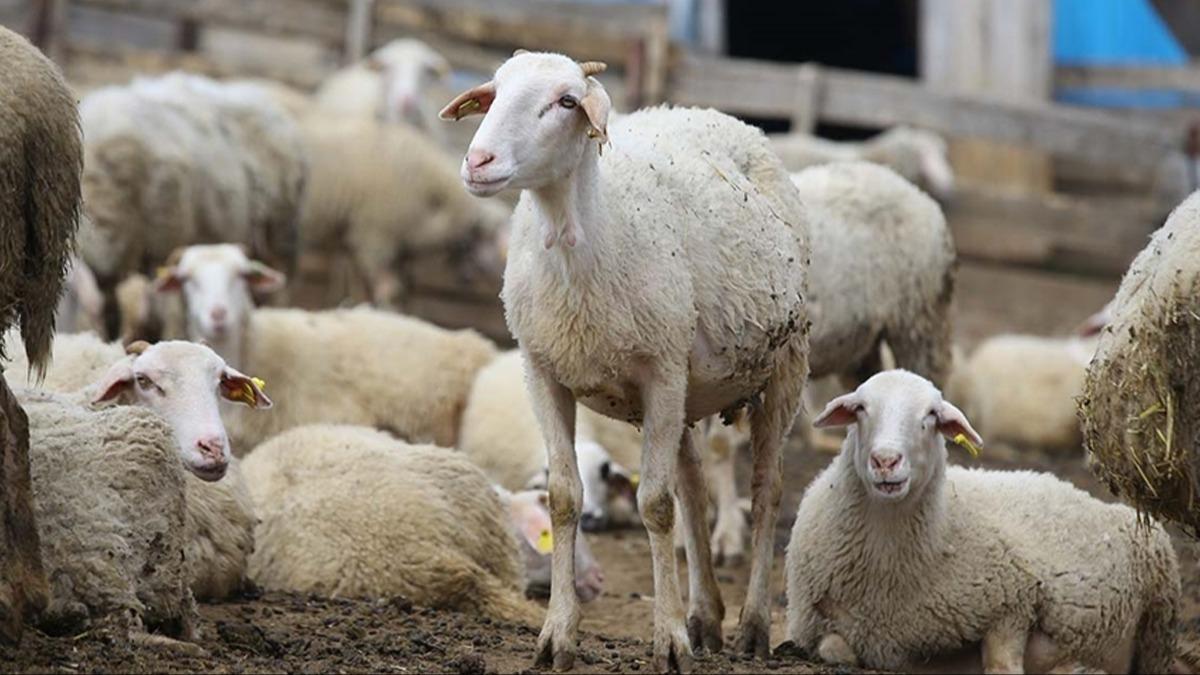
x=281 y=632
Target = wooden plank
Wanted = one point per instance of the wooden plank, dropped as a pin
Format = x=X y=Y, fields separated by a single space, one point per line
x=765 y=89
x=316 y=19
x=358 y=30
x=1179 y=78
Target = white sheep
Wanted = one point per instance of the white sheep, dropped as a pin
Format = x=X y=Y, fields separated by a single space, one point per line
x=349 y=512
x=1021 y=390
x=1140 y=406
x=389 y=85
x=182 y=159
x=656 y=274
x=529 y=519
x=115 y=473
x=898 y=562
x=916 y=154
x=219 y=518
x=81 y=307
x=353 y=204
x=358 y=366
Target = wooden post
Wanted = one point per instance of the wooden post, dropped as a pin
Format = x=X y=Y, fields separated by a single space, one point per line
x=998 y=48
x=358 y=30
x=49 y=28
x=24 y=590
x=808 y=99
x=187 y=36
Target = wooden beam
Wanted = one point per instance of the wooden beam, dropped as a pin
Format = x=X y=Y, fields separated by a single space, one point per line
x=320 y=20
x=1179 y=78
x=766 y=89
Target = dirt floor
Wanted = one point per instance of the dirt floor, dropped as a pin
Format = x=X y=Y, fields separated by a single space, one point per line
x=280 y=632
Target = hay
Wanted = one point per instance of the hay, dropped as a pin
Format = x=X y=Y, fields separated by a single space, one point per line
x=1140 y=408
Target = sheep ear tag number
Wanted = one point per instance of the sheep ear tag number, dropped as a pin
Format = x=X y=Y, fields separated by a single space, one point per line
x=545 y=542
x=965 y=442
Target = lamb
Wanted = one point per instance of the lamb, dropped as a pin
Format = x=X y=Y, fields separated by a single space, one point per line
x=350 y=511
x=386 y=371
x=219 y=519
x=388 y=86
x=614 y=306
x=182 y=159
x=917 y=155
x=499 y=434
x=1021 y=390
x=897 y=561
x=40 y=164
x=1140 y=407
x=352 y=204
x=115 y=473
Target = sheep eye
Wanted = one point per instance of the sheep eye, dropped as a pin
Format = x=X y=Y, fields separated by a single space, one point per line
x=568 y=102
x=143 y=382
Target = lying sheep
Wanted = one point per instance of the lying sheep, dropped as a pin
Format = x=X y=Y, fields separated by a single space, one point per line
x=1141 y=399
x=659 y=281
x=529 y=520
x=1021 y=390
x=917 y=155
x=114 y=472
x=353 y=204
x=357 y=366
x=897 y=561
x=389 y=85
x=219 y=520
x=182 y=159
x=350 y=511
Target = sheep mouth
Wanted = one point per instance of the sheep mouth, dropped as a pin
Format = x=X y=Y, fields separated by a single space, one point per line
x=891 y=488
x=488 y=187
x=209 y=474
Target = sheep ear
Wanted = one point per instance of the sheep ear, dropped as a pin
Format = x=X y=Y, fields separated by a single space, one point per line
x=474 y=101
x=532 y=520
x=263 y=279
x=242 y=389
x=438 y=65
x=169 y=279
x=953 y=423
x=840 y=412
x=115 y=382
x=596 y=104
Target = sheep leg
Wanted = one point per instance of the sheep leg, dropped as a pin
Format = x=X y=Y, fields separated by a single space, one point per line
x=555 y=409
x=1004 y=648
x=729 y=533
x=705 y=608
x=165 y=643
x=769 y=424
x=663 y=416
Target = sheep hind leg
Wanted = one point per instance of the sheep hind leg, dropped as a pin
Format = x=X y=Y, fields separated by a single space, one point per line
x=770 y=423
x=705 y=608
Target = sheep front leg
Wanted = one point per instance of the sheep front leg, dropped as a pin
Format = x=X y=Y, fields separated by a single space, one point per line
x=555 y=409
x=663 y=403
x=769 y=424
x=705 y=608
x=1004 y=648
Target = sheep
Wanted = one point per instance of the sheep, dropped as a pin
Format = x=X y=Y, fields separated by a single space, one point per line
x=115 y=472
x=1021 y=390
x=499 y=434
x=81 y=306
x=1140 y=407
x=353 y=204
x=615 y=306
x=917 y=155
x=896 y=561
x=529 y=520
x=351 y=511
x=387 y=371
x=40 y=165
x=183 y=159
x=388 y=86
x=218 y=518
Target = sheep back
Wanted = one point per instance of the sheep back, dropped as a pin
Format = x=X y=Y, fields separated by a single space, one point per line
x=350 y=511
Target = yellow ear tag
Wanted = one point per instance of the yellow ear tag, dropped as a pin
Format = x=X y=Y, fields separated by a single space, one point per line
x=162 y=272
x=634 y=478
x=962 y=440
x=247 y=393
x=545 y=542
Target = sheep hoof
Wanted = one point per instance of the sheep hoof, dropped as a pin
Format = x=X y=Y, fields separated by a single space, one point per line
x=704 y=633
x=754 y=636
x=556 y=645
x=672 y=651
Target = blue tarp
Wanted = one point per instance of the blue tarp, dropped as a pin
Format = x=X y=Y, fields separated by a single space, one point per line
x=1112 y=32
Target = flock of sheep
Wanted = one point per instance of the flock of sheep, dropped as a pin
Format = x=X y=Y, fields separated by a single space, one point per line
x=661 y=269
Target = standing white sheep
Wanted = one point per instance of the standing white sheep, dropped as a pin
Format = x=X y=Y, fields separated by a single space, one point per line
x=351 y=511
x=917 y=155
x=359 y=366
x=656 y=274
x=897 y=561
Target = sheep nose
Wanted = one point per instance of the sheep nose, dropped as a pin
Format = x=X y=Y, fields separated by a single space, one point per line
x=477 y=159
x=593 y=522
x=212 y=448
x=885 y=462
x=219 y=313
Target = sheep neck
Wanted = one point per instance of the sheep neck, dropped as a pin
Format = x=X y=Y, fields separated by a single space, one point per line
x=569 y=212
x=232 y=347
